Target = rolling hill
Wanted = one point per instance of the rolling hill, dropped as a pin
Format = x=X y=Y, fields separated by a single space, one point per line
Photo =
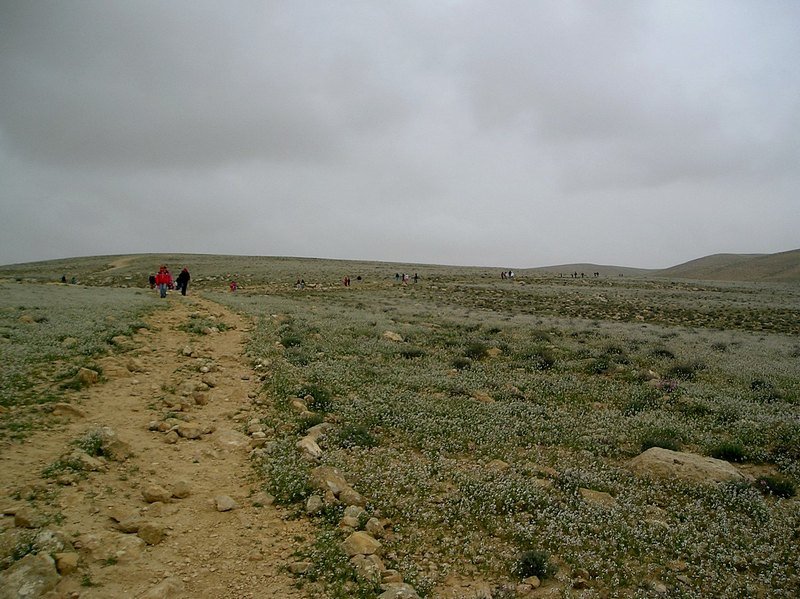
x=783 y=267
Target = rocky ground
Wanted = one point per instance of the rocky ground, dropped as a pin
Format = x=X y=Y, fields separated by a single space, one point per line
x=174 y=510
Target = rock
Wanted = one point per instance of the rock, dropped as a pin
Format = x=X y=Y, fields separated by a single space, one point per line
x=51 y=541
x=209 y=380
x=152 y=493
x=318 y=431
x=66 y=563
x=368 y=567
x=166 y=589
x=224 y=503
x=349 y=523
x=327 y=478
x=151 y=533
x=189 y=430
x=181 y=489
x=533 y=581
x=354 y=511
x=171 y=438
x=130 y=524
x=187 y=351
x=87 y=376
x=262 y=499
x=375 y=528
x=27 y=319
x=135 y=365
x=105 y=546
x=598 y=498
x=65 y=409
x=85 y=462
x=298 y=568
x=314 y=504
x=350 y=496
x=665 y=463
x=309 y=447
x=200 y=398
x=360 y=543
x=25 y=517
x=390 y=576
x=114 y=447
x=398 y=590
x=494 y=352
x=392 y=336
x=32 y=576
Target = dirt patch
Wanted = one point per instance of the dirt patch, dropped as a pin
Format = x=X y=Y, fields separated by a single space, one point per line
x=204 y=552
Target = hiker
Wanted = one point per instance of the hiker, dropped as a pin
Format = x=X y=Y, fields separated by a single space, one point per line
x=63 y=278
x=151 y=280
x=163 y=280
x=416 y=277
x=234 y=286
x=183 y=280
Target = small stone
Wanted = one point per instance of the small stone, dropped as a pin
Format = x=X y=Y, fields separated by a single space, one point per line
x=66 y=563
x=262 y=499
x=151 y=533
x=298 y=568
x=224 y=503
x=533 y=581
x=87 y=376
x=398 y=590
x=314 y=504
x=391 y=576
x=200 y=398
x=350 y=496
x=308 y=446
x=153 y=493
x=189 y=430
x=181 y=489
x=360 y=543
x=171 y=438
x=25 y=517
x=392 y=336
x=375 y=528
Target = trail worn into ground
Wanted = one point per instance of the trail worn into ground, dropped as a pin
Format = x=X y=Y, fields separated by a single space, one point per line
x=205 y=552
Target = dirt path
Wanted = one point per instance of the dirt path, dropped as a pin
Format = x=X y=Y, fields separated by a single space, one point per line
x=206 y=553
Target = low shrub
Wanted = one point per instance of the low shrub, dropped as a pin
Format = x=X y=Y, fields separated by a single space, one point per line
x=685 y=371
x=539 y=358
x=461 y=363
x=409 y=353
x=533 y=563
x=730 y=451
x=356 y=435
x=476 y=350
x=664 y=438
x=779 y=486
x=320 y=398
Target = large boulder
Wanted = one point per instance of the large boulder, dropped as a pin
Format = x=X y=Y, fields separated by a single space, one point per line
x=32 y=576
x=665 y=463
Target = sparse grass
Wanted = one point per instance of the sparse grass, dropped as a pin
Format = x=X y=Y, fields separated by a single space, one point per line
x=444 y=415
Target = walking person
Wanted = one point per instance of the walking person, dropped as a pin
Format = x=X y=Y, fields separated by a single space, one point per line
x=162 y=281
x=183 y=280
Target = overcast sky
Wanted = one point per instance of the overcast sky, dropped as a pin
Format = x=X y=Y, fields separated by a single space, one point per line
x=476 y=132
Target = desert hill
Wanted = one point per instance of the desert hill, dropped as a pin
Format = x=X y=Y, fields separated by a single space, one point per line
x=133 y=269
x=781 y=267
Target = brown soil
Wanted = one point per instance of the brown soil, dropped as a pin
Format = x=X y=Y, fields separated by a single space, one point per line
x=235 y=554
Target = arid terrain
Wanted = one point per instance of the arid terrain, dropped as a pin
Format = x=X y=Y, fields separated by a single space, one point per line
x=462 y=436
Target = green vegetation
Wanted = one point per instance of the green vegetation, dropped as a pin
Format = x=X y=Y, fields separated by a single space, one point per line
x=562 y=388
x=47 y=333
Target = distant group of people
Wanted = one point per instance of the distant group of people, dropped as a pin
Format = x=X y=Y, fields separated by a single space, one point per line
x=346 y=281
x=507 y=274
x=163 y=280
x=404 y=278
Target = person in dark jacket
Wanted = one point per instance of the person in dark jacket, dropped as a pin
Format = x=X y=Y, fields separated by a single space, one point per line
x=183 y=280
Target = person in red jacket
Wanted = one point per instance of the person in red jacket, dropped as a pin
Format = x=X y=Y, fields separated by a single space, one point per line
x=163 y=279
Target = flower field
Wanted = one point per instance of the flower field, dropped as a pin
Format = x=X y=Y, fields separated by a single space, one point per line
x=479 y=428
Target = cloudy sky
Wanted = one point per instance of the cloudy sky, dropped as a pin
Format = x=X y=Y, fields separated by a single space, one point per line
x=478 y=132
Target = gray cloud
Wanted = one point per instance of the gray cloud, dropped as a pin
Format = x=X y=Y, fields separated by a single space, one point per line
x=471 y=132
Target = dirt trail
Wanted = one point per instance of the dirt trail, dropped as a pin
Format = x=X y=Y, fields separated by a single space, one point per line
x=206 y=553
